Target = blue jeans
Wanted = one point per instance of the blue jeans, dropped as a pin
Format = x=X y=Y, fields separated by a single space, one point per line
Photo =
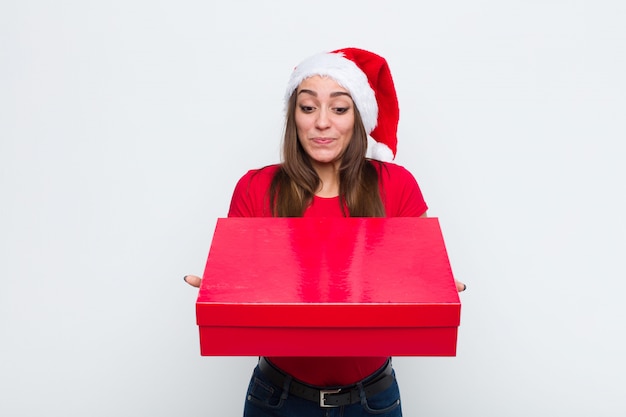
x=265 y=399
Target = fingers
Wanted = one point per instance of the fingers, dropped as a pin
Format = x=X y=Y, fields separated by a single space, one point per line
x=193 y=280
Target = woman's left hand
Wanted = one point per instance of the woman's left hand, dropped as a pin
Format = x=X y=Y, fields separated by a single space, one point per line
x=460 y=287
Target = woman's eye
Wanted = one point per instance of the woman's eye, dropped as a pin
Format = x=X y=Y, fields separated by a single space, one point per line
x=306 y=109
x=341 y=110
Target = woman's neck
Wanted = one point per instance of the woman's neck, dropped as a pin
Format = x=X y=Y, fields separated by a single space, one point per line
x=329 y=180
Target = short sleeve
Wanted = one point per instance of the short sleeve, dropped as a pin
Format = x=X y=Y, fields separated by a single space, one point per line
x=250 y=197
x=400 y=192
x=241 y=204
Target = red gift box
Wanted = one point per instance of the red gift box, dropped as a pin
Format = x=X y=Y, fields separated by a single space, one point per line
x=328 y=287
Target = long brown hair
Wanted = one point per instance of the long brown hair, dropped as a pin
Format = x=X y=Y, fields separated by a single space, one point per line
x=294 y=184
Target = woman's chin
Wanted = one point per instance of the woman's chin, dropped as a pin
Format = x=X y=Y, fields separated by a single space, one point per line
x=325 y=161
x=324 y=157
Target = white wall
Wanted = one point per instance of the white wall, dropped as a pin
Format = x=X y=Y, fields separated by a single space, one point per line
x=125 y=124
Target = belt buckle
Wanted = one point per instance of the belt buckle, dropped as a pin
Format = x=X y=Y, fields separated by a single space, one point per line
x=323 y=393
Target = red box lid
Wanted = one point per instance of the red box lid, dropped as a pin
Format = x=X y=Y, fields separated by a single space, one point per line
x=328 y=272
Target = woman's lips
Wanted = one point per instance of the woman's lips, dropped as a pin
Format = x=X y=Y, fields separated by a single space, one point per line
x=322 y=141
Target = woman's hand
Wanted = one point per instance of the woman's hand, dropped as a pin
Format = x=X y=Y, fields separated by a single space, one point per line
x=195 y=281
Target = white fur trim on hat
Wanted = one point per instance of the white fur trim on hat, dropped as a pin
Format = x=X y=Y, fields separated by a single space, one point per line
x=378 y=151
x=347 y=74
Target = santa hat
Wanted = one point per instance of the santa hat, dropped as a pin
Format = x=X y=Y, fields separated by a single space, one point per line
x=368 y=79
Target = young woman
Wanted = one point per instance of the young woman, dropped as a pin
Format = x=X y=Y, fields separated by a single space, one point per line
x=334 y=101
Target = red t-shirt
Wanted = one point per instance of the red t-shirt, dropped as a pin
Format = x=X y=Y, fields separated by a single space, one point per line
x=401 y=197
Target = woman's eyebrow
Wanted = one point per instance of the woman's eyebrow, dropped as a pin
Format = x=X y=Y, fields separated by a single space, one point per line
x=334 y=94
x=311 y=92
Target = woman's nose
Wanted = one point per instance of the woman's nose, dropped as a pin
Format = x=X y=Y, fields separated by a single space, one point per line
x=322 y=121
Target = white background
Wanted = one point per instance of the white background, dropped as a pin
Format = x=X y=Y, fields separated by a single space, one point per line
x=124 y=126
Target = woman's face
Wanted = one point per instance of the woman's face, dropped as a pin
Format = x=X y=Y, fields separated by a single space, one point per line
x=324 y=119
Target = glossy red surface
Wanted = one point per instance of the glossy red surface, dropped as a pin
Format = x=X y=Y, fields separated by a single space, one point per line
x=287 y=286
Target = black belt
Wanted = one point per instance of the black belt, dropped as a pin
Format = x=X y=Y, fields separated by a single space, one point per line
x=331 y=397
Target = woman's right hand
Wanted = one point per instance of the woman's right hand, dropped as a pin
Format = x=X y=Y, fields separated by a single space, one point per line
x=193 y=280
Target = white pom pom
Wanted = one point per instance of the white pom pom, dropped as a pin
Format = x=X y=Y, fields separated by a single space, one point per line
x=378 y=151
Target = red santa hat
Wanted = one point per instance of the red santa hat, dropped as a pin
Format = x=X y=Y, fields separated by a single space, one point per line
x=367 y=78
